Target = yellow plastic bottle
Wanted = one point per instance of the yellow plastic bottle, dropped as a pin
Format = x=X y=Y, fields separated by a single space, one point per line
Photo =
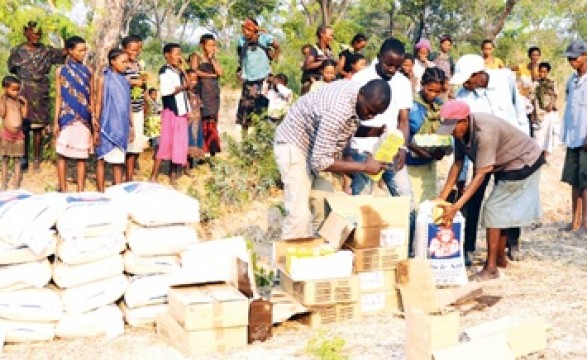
x=386 y=149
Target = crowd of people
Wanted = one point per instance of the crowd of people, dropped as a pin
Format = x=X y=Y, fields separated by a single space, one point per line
x=502 y=119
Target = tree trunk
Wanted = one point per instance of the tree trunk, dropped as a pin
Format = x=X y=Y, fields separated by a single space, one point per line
x=108 y=23
x=499 y=24
x=325 y=12
x=392 y=12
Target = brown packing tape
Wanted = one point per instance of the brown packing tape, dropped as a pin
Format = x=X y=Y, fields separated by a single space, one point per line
x=217 y=314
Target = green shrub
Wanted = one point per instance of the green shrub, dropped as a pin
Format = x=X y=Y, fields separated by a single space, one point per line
x=324 y=348
x=247 y=173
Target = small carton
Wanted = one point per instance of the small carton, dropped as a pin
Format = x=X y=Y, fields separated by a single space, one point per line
x=202 y=341
x=377 y=281
x=321 y=292
x=373 y=303
x=376 y=259
x=302 y=260
x=329 y=314
x=369 y=216
x=208 y=307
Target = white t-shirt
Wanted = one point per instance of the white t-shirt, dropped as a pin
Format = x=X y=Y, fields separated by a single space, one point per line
x=279 y=101
x=169 y=79
x=401 y=98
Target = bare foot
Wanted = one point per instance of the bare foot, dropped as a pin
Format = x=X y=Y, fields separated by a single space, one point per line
x=502 y=263
x=581 y=231
x=485 y=275
x=152 y=179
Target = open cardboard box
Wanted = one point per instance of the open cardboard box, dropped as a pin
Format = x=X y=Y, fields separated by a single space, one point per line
x=360 y=219
x=430 y=322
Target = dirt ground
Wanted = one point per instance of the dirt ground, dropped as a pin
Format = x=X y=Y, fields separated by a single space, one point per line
x=549 y=282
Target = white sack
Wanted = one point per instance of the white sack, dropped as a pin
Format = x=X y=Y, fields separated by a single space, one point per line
x=66 y=276
x=152 y=204
x=160 y=240
x=91 y=214
x=11 y=254
x=24 y=331
x=149 y=265
x=25 y=218
x=106 y=320
x=21 y=276
x=147 y=290
x=31 y=305
x=83 y=298
x=143 y=315
x=87 y=249
x=444 y=247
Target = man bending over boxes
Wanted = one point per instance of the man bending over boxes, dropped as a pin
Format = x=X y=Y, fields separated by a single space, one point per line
x=312 y=137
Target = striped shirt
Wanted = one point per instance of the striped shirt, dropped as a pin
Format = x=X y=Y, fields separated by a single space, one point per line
x=137 y=98
x=321 y=123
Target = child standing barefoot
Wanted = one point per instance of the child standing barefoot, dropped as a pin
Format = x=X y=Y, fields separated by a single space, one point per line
x=133 y=46
x=114 y=130
x=72 y=127
x=13 y=110
x=195 y=133
x=174 y=122
x=209 y=72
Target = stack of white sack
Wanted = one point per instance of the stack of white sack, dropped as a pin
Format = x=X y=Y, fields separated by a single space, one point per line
x=89 y=267
x=163 y=225
x=28 y=310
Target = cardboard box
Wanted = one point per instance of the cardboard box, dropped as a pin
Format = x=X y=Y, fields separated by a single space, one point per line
x=260 y=320
x=375 y=259
x=374 y=303
x=377 y=281
x=426 y=332
x=208 y=307
x=524 y=336
x=321 y=292
x=285 y=306
x=367 y=215
x=195 y=342
x=337 y=265
x=329 y=314
x=280 y=247
x=489 y=348
x=213 y=261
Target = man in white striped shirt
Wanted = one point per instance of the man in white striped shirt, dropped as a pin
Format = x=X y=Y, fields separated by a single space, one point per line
x=312 y=137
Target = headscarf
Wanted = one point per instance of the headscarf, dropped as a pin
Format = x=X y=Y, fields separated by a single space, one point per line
x=250 y=25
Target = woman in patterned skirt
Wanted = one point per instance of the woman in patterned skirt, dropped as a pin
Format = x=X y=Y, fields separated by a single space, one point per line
x=72 y=127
